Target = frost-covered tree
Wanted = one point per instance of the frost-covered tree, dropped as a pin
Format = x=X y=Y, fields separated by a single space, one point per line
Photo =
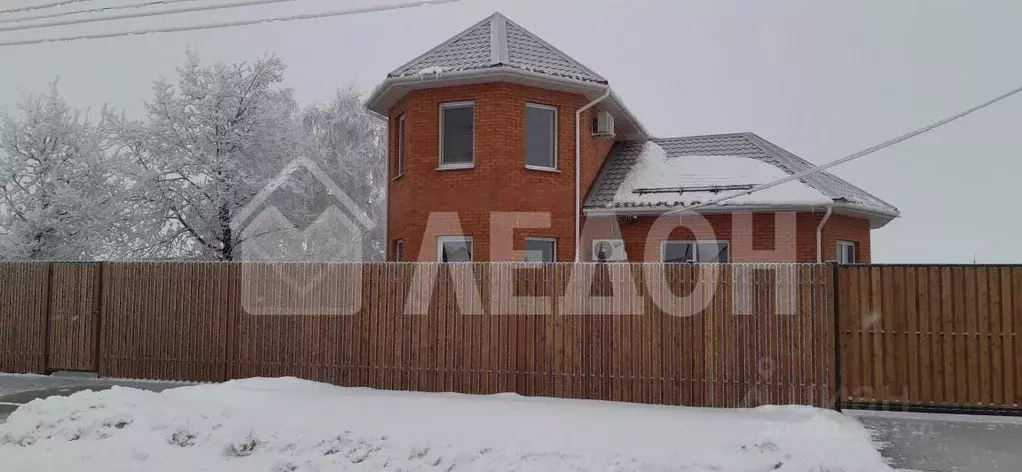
x=351 y=146
x=58 y=186
x=206 y=147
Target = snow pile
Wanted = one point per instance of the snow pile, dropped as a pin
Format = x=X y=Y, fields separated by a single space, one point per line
x=435 y=71
x=294 y=425
x=654 y=170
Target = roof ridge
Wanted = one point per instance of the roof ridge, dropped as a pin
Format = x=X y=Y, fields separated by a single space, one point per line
x=715 y=135
x=552 y=48
x=792 y=156
x=498 y=39
x=448 y=42
x=779 y=154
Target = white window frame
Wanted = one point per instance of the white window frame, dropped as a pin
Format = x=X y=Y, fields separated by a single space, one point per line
x=440 y=240
x=549 y=240
x=855 y=251
x=399 y=250
x=553 y=141
x=399 y=161
x=440 y=158
x=695 y=249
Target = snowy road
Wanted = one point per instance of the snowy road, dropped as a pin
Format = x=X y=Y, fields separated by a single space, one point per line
x=932 y=442
x=18 y=389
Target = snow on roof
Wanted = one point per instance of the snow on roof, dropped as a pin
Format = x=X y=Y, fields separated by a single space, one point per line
x=742 y=159
x=659 y=180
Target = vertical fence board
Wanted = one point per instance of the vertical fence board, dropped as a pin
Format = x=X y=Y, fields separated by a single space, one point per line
x=994 y=346
x=924 y=339
x=1016 y=303
x=982 y=336
x=1008 y=330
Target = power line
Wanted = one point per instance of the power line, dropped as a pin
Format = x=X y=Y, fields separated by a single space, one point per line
x=95 y=10
x=229 y=24
x=128 y=16
x=852 y=157
x=43 y=6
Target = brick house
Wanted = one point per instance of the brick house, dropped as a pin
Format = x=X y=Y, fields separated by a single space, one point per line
x=502 y=147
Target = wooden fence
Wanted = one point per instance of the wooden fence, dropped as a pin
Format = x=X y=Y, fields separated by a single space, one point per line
x=24 y=294
x=358 y=325
x=938 y=336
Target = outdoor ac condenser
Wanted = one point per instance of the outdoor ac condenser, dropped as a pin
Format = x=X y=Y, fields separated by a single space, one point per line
x=609 y=250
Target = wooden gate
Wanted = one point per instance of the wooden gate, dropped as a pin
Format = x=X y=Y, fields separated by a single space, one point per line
x=931 y=336
x=73 y=330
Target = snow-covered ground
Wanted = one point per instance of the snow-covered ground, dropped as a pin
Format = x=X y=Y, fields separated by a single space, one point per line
x=295 y=425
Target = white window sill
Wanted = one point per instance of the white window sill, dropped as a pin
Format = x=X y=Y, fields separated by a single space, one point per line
x=456 y=166
x=543 y=169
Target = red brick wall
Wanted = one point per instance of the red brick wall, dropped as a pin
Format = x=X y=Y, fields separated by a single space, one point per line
x=846 y=228
x=722 y=227
x=498 y=182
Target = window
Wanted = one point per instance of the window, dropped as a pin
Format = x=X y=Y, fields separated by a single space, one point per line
x=540 y=137
x=540 y=250
x=457 y=135
x=399 y=161
x=846 y=253
x=454 y=249
x=399 y=250
x=695 y=251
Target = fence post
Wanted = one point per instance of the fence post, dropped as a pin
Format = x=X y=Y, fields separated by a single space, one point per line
x=230 y=322
x=838 y=387
x=100 y=307
x=47 y=324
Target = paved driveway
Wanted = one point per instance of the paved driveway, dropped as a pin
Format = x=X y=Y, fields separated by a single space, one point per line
x=932 y=442
x=16 y=389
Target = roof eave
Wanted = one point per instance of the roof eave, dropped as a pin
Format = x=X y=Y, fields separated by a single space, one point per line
x=643 y=133
x=877 y=217
x=388 y=92
x=709 y=210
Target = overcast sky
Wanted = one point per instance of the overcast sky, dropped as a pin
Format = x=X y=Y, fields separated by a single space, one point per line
x=822 y=79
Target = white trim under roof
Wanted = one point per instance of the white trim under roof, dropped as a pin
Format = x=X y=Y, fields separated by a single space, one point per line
x=391 y=90
x=877 y=217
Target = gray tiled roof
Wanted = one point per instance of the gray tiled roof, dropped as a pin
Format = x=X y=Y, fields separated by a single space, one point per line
x=624 y=155
x=499 y=42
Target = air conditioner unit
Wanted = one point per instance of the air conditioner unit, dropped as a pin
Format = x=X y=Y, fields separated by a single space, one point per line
x=609 y=250
x=603 y=126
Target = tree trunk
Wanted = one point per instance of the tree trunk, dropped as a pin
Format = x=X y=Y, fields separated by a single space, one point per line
x=227 y=240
